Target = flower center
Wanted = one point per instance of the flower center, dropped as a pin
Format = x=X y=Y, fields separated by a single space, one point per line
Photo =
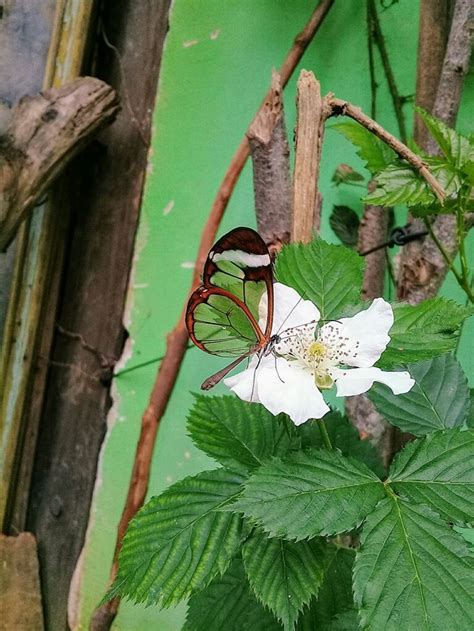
x=318 y=358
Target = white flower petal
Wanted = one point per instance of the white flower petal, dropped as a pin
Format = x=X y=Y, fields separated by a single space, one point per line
x=244 y=384
x=289 y=310
x=288 y=387
x=358 y=380
x=363 y=338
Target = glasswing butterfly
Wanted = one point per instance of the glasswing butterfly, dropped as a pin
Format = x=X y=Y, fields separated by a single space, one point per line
x=223 y=313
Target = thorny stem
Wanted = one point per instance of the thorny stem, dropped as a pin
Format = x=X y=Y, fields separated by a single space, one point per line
x=462 y=280
x=324 y=433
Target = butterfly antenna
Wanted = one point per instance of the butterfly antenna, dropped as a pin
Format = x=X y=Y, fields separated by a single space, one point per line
x=291 y=311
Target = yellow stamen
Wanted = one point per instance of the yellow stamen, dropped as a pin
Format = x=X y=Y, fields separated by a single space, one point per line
x=317 y=352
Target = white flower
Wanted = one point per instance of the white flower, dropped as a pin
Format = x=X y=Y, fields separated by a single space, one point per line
x=308 y=358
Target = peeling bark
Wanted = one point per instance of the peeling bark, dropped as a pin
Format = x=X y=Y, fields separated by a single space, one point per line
x=271 y=170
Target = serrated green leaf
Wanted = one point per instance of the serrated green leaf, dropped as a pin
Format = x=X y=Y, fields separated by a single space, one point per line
x=437 y=470
x=345 y=437
x=399 y=184
x=239 y=434
x=423 y=331
x=412 y=571
x=375 y=153
x=345 y=224
x=310 y=493
x=284 y=575
x=179 y=540
x=455 y=147
x=227 y=603
x=334 y=601
x=438 y=400
x=328 y=275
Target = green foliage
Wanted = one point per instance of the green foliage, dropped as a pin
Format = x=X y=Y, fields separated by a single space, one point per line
x=310 y=493
x=344 y=174
x=458 y=150
x=227 y=603
x=238 y=434
x=284 y=575
x=438 y=400
x=345 y=437
x=179 y=540
x=423 y=331
x=470 y=414
x=328 y=275
x=412 y=571
x=375 y=153
x=437 y=470
x=345 y=224
x=334 y=602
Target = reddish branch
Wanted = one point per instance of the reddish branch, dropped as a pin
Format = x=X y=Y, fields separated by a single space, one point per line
x=176 y=341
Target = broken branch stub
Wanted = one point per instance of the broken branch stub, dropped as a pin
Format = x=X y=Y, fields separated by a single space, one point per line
x=271 y=169
x=45 y=131
x=308 y=141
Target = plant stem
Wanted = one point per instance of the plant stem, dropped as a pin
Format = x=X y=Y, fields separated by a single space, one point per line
x=461 y=233
x=461 y=279
x=324 y=433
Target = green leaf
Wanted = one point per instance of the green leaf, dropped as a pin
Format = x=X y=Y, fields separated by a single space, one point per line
x=345 y=437
x=310 y=493
x=227 y=603
x=179 y=540
x=283 y=574
x=470 y=414
x=328 y=275
x=335 y=595
x=400 y=184
x=437 y=470
x=456 y=148
x=375 y=153
x=345 y=224
x=438 y=400
x=412 y=572
x=423 y=331
x=239 y=434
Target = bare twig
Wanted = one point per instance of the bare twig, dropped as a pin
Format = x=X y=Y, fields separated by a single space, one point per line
x=380 y=42
x=340 y=107
x=177 y=339
x=271 y=170
x=309 y=135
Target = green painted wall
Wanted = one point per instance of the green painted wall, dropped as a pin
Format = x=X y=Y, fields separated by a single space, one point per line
x=216 y=67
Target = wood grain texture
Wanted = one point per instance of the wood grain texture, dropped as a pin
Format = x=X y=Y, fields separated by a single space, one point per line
x=271 y=169
x=44 y=133
x=20 y=595
x=309 y=135
x=106 y=185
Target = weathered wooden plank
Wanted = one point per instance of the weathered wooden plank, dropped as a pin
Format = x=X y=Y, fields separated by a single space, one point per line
x=37 y=267
x=89 y=336
x=20 y=596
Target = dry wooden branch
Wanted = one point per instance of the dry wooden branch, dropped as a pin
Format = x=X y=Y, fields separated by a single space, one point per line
x=435 y=18
x=340 y=107
x=423 y=268
x=44 y=133
x=271 y=170
x=177 y=339
x=308 y=143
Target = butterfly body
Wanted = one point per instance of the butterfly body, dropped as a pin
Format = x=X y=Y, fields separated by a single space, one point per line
x=223 y=314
